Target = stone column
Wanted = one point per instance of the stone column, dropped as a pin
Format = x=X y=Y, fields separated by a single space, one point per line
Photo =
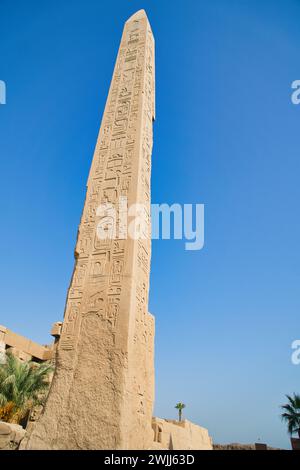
x=102 y=392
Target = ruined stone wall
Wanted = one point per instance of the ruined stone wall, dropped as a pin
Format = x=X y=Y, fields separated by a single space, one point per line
x=184 y=435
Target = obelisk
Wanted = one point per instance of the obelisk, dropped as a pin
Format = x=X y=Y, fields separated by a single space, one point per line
x=102 y=392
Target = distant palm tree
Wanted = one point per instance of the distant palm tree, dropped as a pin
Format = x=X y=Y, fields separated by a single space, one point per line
x=21 y=387
x=292 y=414
x=180 y=407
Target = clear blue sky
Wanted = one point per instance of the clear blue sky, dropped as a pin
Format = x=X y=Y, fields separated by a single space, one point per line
x=226 y=135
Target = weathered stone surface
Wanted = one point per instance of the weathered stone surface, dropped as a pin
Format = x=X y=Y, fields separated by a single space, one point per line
x=102 y=392
x=10 y=436
x=183 y=435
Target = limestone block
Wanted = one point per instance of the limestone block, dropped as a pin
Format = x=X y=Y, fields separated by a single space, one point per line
x=10 y=436
x=56 y=329
x=184 y=435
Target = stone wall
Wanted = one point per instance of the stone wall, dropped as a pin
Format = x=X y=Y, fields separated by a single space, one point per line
x=237 y=446
x=168 y=435
x=10 y=436
x=175 y=435
x=24 y=348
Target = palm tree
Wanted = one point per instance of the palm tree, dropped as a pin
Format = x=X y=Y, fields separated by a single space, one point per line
x=180 y=407
x=21 y=387
x=292 y=414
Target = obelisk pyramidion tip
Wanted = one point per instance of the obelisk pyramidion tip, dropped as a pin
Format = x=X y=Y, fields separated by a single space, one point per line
x=137 y=16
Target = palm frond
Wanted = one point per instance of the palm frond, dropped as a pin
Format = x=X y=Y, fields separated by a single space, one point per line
x=291 y=413
x=22 y=383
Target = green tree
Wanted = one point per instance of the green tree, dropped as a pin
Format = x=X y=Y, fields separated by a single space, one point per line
x=180 y=407
x=22 y=385
x=291 y=414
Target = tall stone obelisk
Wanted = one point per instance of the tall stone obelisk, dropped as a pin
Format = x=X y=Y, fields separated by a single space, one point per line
x=102 y=392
